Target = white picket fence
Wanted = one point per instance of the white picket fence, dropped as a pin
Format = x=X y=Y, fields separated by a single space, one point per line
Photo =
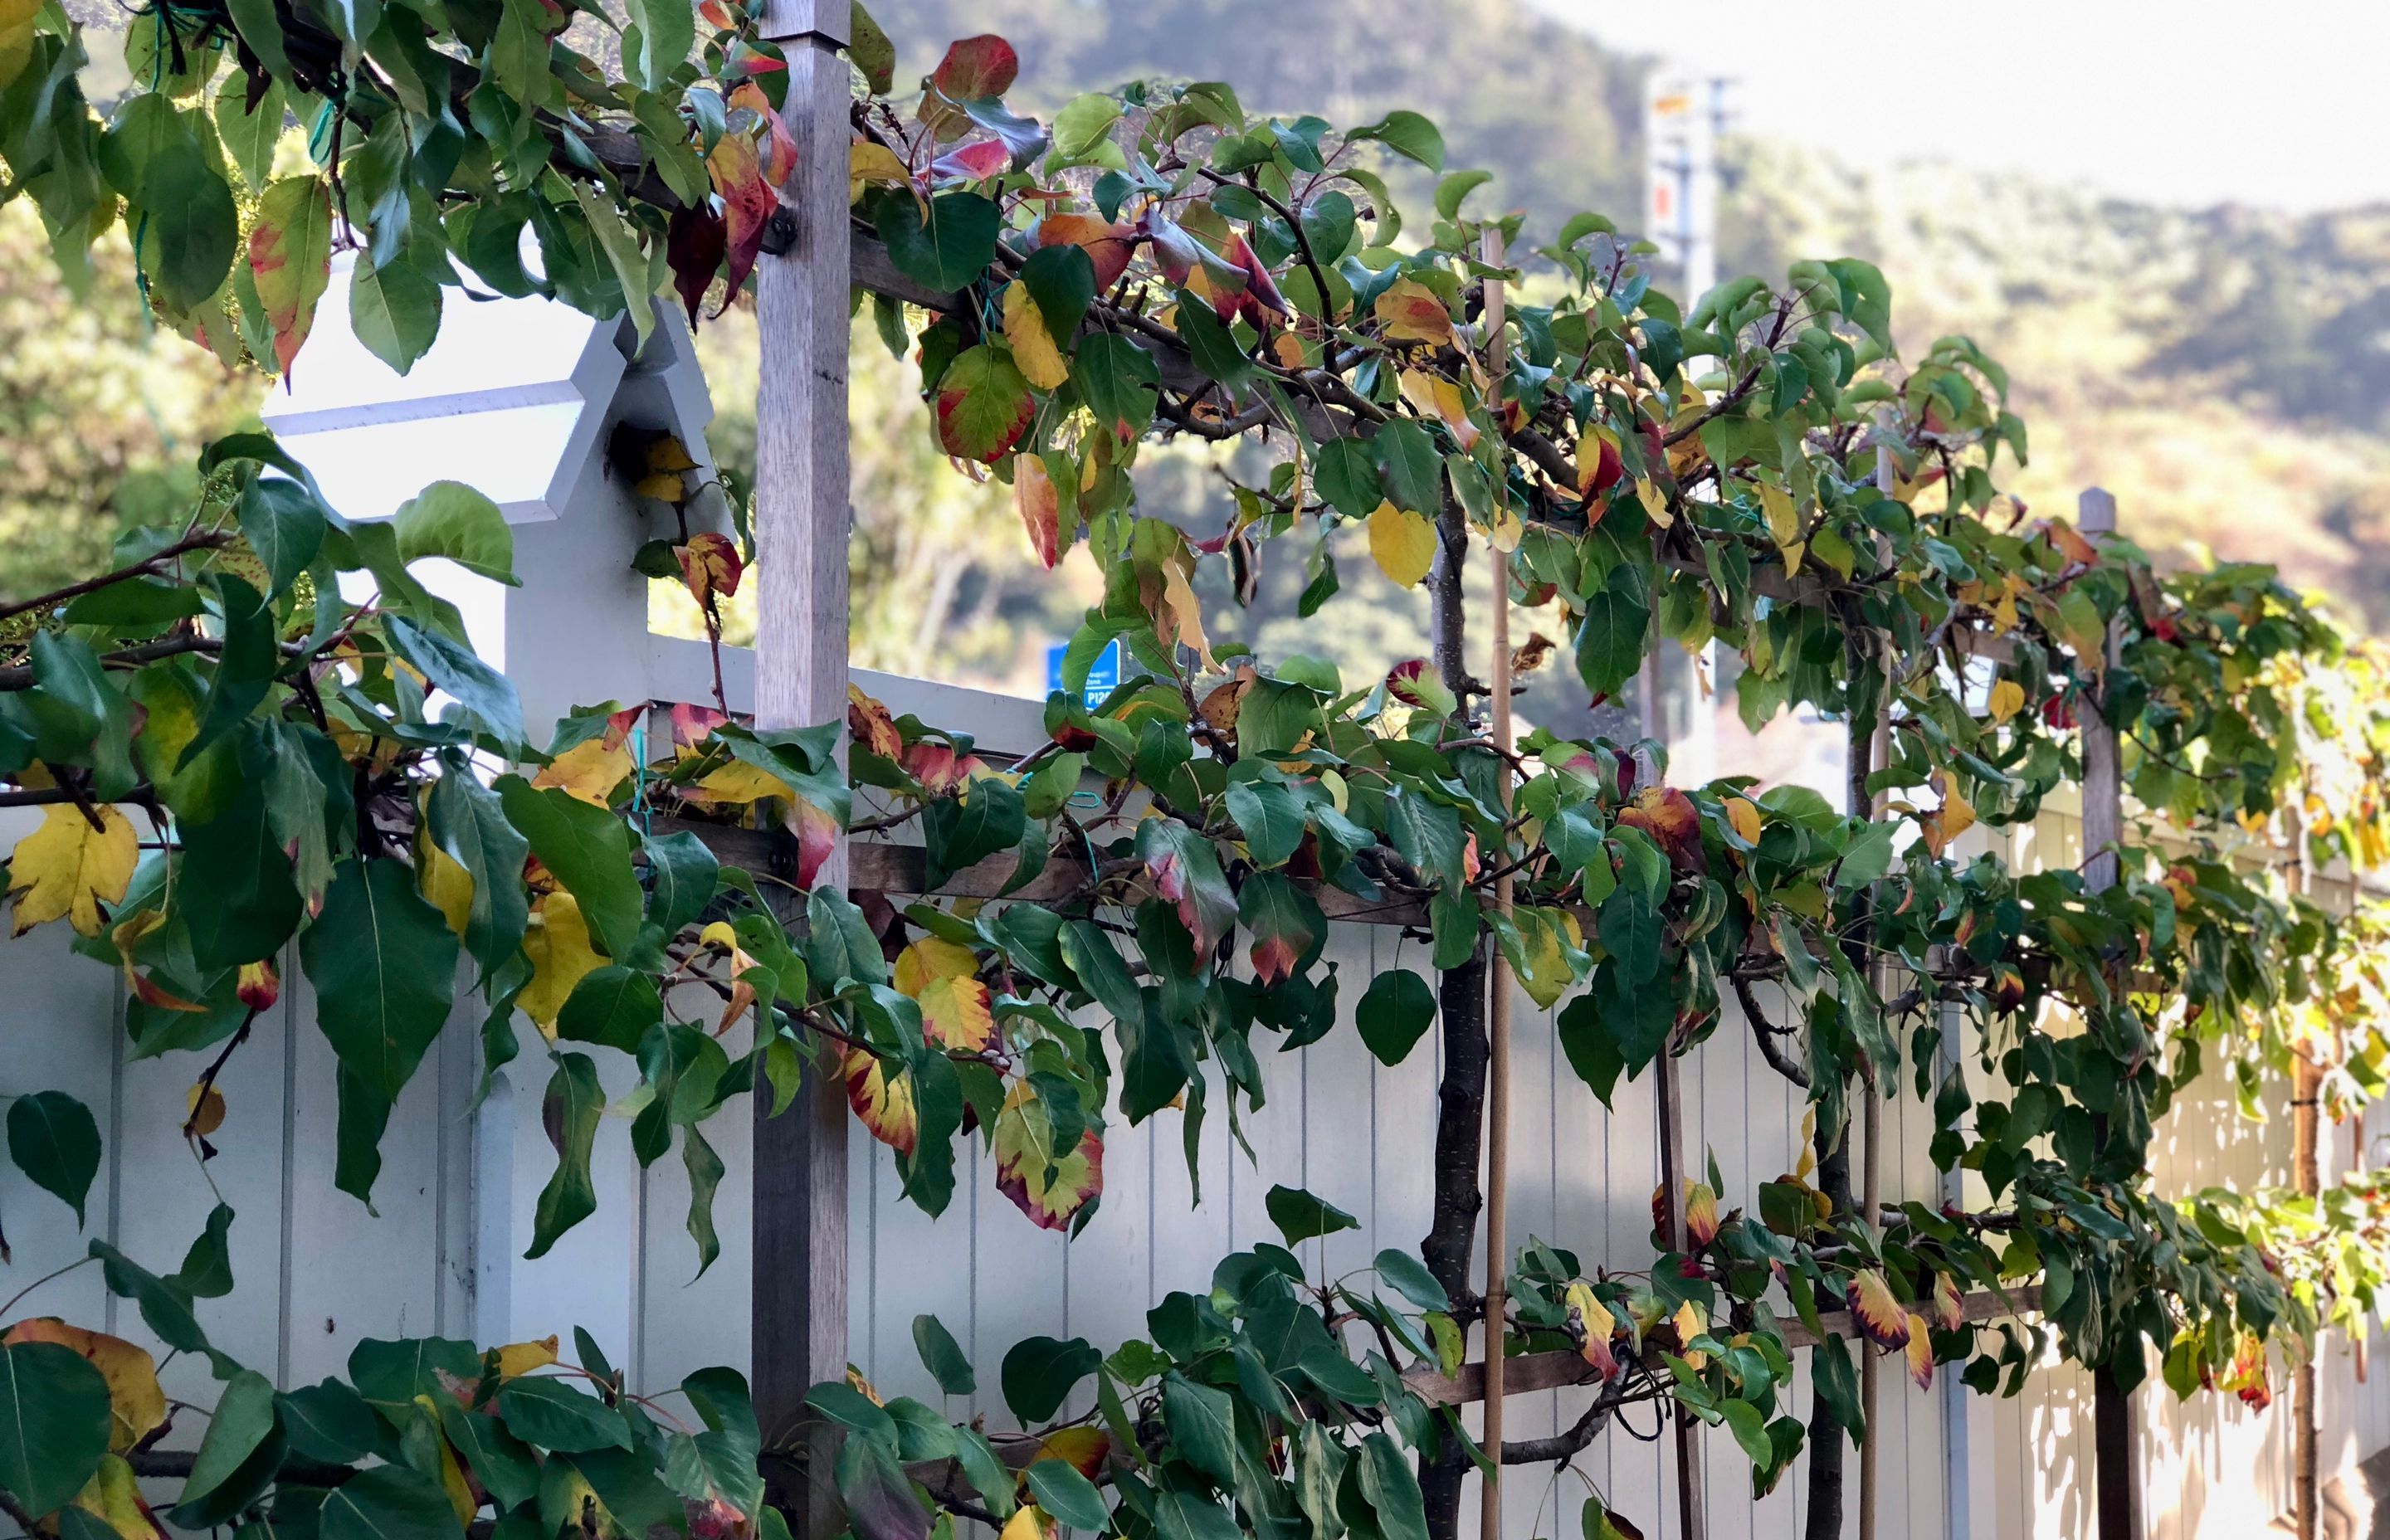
x=317 y=1272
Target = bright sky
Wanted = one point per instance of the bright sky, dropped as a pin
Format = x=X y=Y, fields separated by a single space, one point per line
x=2283 y=104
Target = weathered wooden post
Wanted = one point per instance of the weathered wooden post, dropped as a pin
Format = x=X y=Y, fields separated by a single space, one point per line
x=2115 y=1447
x=798 y=1312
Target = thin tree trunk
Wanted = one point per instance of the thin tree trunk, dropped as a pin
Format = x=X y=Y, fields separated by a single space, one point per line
x=1460 y=1098
x=1452 y=1232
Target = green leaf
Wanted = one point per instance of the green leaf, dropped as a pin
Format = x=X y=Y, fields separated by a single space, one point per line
x=1061 y=279
x=612 y=1006
x=1211 y=344
x=1453 y=190
x=468 y=821
x=574 y=1103
x=590 y=850
x=283 y=523
x=227 y=1475
x=1393 y=1013
x=1611 y=638
x=1117 y=379
x=1838 y=1384
x=486 y=697
x=1270 y=818
x=850 y=1408
x=1301 y=1216
x=962 y=832
x=1040 y=1372
x=983 y=404
x=384 y=967
x=54 y=1424
x=839 y=943
x=943 y=1356
x=163 y=1310
x=1202 y=1423
x=449 y=519
x=188 y=227
x=55 y=1141
x=388 y=1502
x=394 y=309
x=503 y=1464
x=1391 y=1490
x=1412 y=470
x=249 y=133
x=682 y=875
x=1346 y=474
x=666 y=30
x=950 y=247
x=1084 y=124
x=869 y=46
x=1409 y=1276
x=206 y=1273
x=1059 y=1489
x=546 y=1413
x=1409 y=134
x=330 y=1422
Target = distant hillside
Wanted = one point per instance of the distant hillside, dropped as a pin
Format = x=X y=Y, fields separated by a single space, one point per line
x=2226 y=373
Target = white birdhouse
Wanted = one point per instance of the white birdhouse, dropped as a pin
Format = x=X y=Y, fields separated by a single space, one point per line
x=518 y=399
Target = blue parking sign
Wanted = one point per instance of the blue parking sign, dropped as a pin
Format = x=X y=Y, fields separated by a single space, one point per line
x=1103 y=674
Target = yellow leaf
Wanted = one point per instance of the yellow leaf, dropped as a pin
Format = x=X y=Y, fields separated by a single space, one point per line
x=452 y=1474
x=2008 y=698
x=1435 y=396
x=16 y=37
x=738 y=782
x=1033 y=350
x=1028 y=1523
x=1656 y=503
x=589 y=769
x=1744 y=818
x=1876 y=1313
x=1954 y=817
x=67 y=869
x=930 y=958
x=666 y=453
x=136 y=1403
x=204 y=1110
x=1783 y=520
x=523 y=1357
x=558 y=945
x=941 y=975
x=867 y=162
x=1921 y=1353
x=446 y=883
x=1403 y=543
x=114 y=1497
x=1178 y=597
x=1085 y=1449
x=885 y=1106
x=1410 y=312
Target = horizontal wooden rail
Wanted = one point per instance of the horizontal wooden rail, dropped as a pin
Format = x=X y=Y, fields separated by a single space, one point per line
x=1545 y=1371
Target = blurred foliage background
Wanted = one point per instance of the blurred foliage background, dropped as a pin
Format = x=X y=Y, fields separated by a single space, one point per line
x=2222 y=370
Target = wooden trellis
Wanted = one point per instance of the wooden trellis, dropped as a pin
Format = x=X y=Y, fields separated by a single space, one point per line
x=801 y=520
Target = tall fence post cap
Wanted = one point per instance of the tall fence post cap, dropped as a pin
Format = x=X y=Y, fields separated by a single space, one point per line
x=829 y=21
x=2095 y=511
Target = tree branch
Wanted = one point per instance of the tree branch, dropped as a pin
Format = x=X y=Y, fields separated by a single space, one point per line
x=146 y=567
x=1764 y=1033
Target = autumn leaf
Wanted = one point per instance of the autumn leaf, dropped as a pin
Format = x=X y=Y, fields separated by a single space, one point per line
x=885 y=1106
x=747 y=202
x=1402 y=542
x=1040 y=506
x=1034 y=349
x=1030 y=1522
x=870 y=724
x=589 y=770
x=66 y=869
x=984 y=404
x=1410 y=312
x=735 y=784
x=524 y=1357
x=1432 y=395
x=1108 y=246
x=444 y=883
x=1599 y=467
x=1954 y=817
x=204 y=1110
x=1532 y=654
x=1655 y=503
x=258 y=985
x=1594 y=1321
x=1742 y=816
x=1049 y=1189
x=291 y=259
x=976 y=67
x=1700 y=1215
x=557 y=946
x=1414 y=683
x=710 y=566
x=1875 y=1313
x=942 y=976
x=1672 y=821
x=974 y=162
x=1084 y=1449
x=940 y=771
x=1921 y=1353
x=2008 y=698
x=1950 y=1313
x=135 y=1402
